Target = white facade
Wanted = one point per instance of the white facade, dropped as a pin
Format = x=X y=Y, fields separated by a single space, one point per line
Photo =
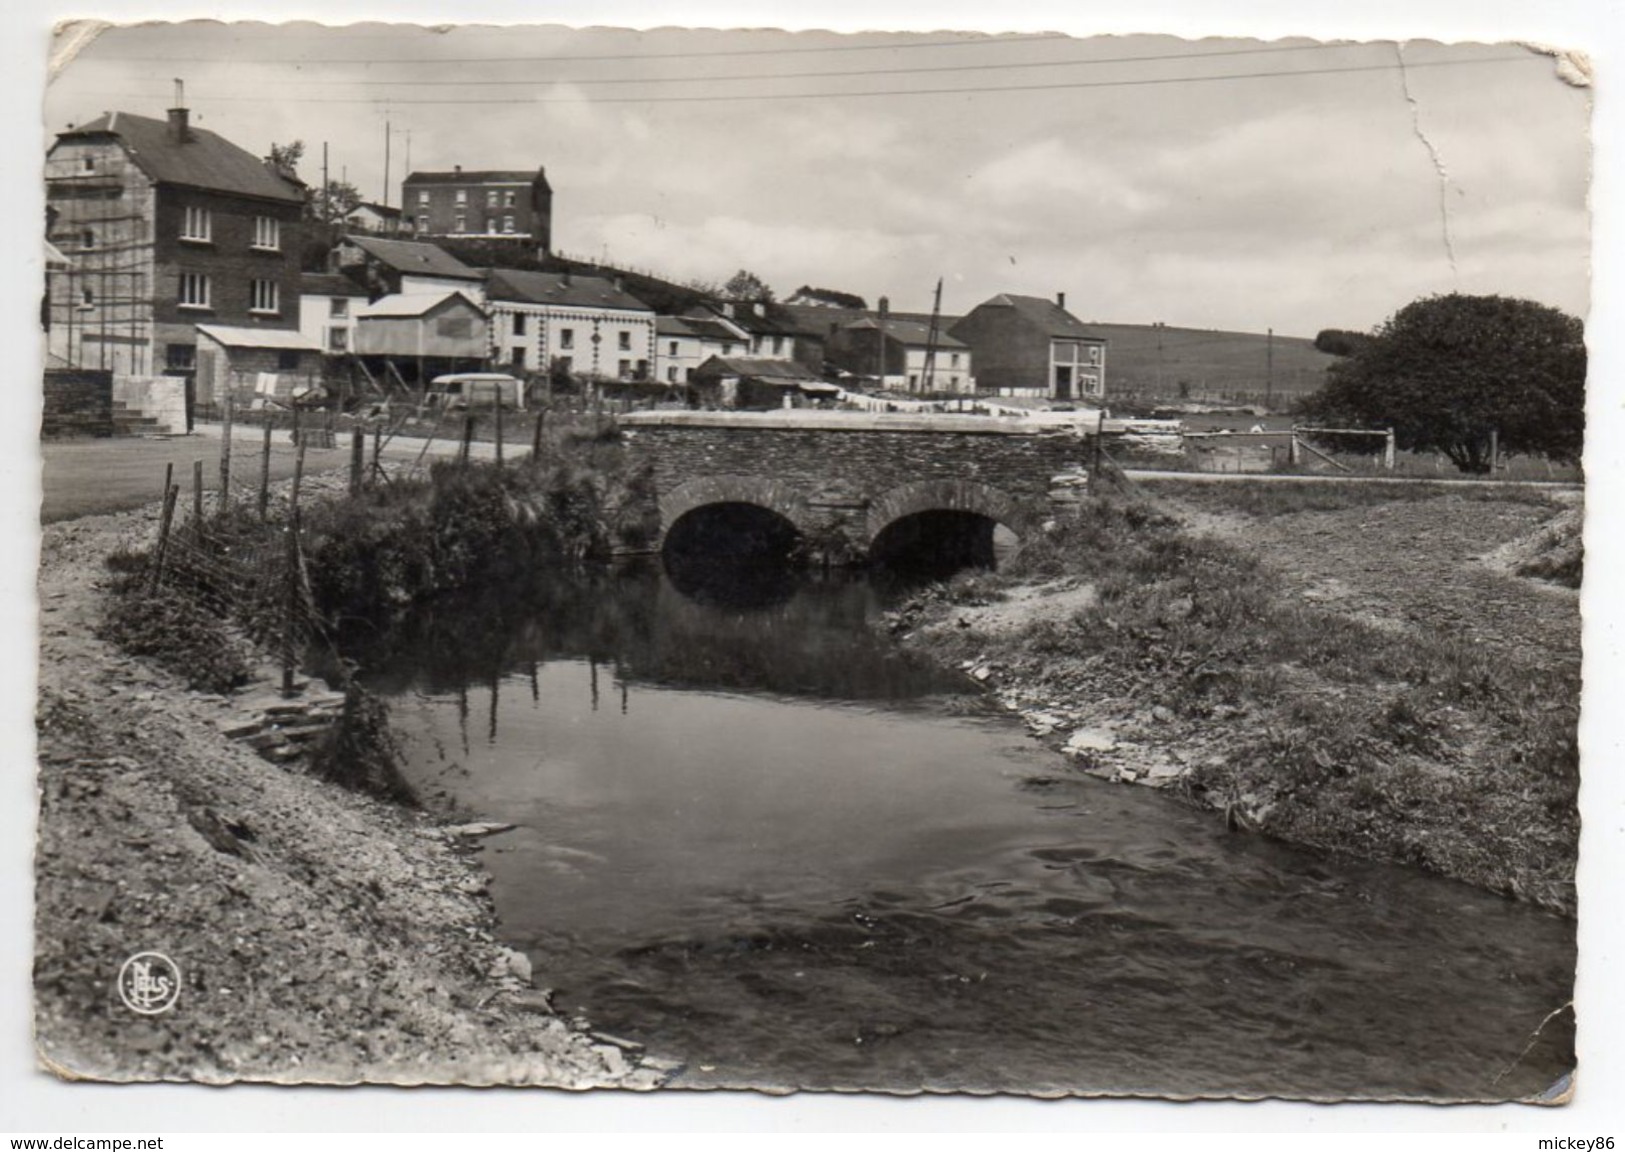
x=677 y=354
x=594 y=343
x=330 y=321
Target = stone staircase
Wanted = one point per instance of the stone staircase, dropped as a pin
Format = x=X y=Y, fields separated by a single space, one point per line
x=129 y=422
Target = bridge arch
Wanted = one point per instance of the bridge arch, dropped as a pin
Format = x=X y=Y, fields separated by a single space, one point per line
x=760 y=491
x=944 y=496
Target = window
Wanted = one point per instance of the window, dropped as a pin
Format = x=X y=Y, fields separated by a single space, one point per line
x=87 y=298
x=507 y=199
x=625 y=344
x=180 y=357
x=338 y=307
x=624 y=369
x=564 y=363
x=267 y=233
x=491 y=198
x=518 y=323
x=462 y=197
x=567 y=338
x=194 y=290
x=953 y=359
x=262 y=296
x=90 y=163
x=507 y=223
x=1093 y=353
x=338 y=339
x=462 y=223
x=196 y=225
x=672 y=348
x=423 y=224
x=518 y=357
x=287 y=360
x=423 y=198
x=671 y=374
x=778 y=345
x=87 y=239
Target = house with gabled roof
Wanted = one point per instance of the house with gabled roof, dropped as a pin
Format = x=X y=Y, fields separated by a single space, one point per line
x=582 y=326
x=168 y=225
x=915 y=360
x=1031 y=346
x=423 y=332
x=389 y=267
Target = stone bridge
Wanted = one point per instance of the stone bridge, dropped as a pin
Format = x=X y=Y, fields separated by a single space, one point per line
x=842 y=479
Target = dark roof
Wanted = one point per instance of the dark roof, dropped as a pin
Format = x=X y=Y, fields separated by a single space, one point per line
x=414 y=256
x=203 y=160
x=381 y=209
x=1043 y=314
x=486 y=176
x=328 y=284
x=912 y=332
x=673 y=326
x=820 y=320
x=708 y=326
x=786 y=371
x=522 y=287
x=772 y=322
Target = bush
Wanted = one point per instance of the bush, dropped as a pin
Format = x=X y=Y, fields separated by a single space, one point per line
x=169 y=627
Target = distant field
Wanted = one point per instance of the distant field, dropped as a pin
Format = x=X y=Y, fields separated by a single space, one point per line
x=1208 y=361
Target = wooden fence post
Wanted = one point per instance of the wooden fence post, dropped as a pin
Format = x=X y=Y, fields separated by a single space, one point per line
x=1388 y=454
x=298 y=475
x=171 y=494
x=465 y=453
x=265 y=466
x=225 y=453
x=536 y=437
x=1495 y=449
x=498 y=431
x=197 y=492
x=378 y=449
x=1292 y=449
x=358 y=450
x=292 y=604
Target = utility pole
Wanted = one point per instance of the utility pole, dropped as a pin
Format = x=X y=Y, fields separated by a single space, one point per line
x=928 y=377
x=1269 y=368
x=327 y=200
x=880 y=345
x=386 y=160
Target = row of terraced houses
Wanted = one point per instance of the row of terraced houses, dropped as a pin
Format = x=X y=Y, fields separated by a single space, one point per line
x=176 y=252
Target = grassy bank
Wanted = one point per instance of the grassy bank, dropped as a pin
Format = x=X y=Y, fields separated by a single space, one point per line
x=1191 y=661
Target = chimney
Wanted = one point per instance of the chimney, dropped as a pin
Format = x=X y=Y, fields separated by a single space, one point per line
x=620 y=284
x=759 y=308
x=566 y=280
x=728 y=309
x=180 y=129
x=1060 y=301
x=457 y=169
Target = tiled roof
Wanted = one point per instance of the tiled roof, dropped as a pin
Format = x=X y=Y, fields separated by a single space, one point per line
x=1043 y=314
x=328 y=284
x=284 y=338
x=204 y=160
x=673 y=326
x=382 y=209
x=520 y=287
x=788 y=371
x=912 y=332
x=709 y=326
x=480 y=177
x=405 y=304
x=819 y=321
x=414 y=257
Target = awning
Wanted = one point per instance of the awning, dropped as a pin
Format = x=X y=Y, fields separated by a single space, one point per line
x=818 y=388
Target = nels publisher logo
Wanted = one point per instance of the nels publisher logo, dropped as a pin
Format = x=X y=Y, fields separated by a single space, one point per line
x=149 y=983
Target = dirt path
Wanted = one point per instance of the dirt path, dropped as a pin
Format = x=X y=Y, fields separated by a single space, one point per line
x=320 y=935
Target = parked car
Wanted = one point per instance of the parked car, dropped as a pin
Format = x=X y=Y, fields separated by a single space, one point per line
x=465 y=390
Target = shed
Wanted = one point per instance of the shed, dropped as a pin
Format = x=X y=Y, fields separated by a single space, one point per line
x=255 y=365
x=737 y=382
x=431 y=326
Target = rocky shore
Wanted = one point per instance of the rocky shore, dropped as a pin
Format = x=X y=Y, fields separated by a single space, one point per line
x=320 y=935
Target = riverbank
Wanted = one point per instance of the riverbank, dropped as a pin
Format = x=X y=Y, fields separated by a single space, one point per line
x=1359 y=671
x=321 y=935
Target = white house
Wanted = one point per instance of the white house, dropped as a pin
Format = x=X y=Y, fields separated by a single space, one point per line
x=908 y=352
x=328 y=303
x=582 y=325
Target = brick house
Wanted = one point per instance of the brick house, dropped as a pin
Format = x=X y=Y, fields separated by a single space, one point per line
x=254 y=366
x=168 y=226
x=1029 y=346
x=505 y=205
x=584 y=326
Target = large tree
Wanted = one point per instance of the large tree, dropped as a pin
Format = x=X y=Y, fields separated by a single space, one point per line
x=1446 y=371
x=747 y=287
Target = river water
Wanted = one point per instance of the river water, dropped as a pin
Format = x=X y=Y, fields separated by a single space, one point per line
x=756 y=837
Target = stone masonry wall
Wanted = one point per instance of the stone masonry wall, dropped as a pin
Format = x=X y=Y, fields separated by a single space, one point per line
x=78 y=402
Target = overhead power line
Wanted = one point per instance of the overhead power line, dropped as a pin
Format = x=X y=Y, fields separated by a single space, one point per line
x=1095 y=61
x=840 y=94
x=969 y=41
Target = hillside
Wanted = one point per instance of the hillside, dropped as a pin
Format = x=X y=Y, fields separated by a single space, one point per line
x=1151 y=361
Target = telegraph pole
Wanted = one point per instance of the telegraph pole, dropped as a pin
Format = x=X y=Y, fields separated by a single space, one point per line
x=386 y=160
x=327 y=200
x=1269 y=368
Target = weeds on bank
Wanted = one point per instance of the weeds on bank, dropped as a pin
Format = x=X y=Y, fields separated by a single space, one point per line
x=1263 y=498
x=1412 y=746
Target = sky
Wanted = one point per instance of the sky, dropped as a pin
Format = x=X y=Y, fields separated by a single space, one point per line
x=1213 y=183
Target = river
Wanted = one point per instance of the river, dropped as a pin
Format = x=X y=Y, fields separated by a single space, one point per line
x=756 y=837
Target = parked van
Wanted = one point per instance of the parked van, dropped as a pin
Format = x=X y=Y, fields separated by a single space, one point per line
x=477 y=390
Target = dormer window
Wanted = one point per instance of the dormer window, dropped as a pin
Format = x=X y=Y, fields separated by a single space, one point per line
x=90 y=163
